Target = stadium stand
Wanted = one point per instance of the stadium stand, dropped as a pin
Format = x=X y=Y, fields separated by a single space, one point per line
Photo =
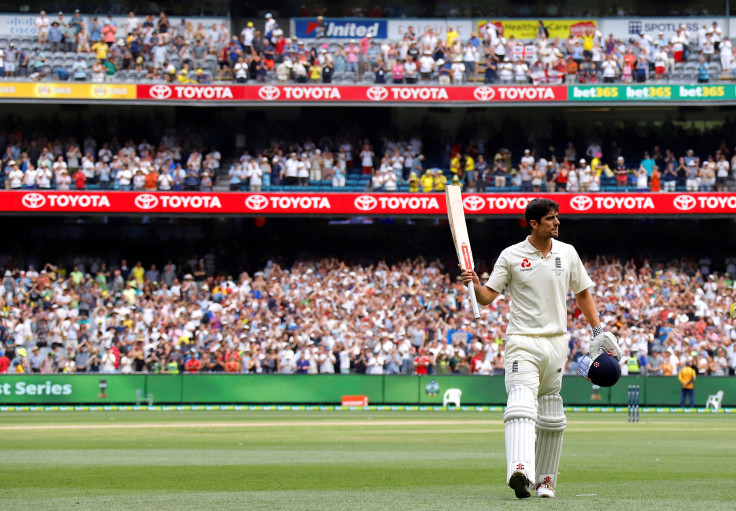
x=331 y=164
x=190 y=52
x=96 y=317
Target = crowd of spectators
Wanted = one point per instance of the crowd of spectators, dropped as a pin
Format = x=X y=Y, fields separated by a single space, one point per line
x=588 y=171
x=152 y=48
x=334 y=163
x=329 y=316
x=170 y=164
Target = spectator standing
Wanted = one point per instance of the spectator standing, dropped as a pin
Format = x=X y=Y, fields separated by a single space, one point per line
x=79 y=69
x=687 y=380
x=79 y=179
x=707 y=175
x=109 y=30
x=483 y=173
x=42 y=25
x=703 y=71
x=670 y=177
x=11 y=60
x=410 y=70
x=366 y=158
x=352 y=55
x=255 y=175
x=621 y=172
x=655 y=184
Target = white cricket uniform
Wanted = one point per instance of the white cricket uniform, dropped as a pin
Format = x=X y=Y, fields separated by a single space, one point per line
x=537 y=345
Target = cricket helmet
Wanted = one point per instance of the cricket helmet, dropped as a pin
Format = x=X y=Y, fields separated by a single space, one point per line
x=602 y=370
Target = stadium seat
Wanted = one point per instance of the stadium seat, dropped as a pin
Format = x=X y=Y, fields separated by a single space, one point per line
x=714 y=400
x=452 y=396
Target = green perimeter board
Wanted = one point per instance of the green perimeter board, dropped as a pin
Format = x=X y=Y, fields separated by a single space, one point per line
x=164 y=388
x=401 y=390
x=96 y=388
x=667 y=391
x=329 y=389
x=475 y=389
x=279 y=388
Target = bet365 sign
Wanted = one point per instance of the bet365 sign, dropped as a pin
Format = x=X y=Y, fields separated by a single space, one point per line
x=655 y=92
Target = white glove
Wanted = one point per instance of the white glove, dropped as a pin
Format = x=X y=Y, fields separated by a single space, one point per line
x=603 y=342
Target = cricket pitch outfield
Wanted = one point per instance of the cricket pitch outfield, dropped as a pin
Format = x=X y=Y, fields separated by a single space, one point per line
x=345 y=460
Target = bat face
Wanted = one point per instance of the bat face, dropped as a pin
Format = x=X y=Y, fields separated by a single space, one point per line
x=456 y=217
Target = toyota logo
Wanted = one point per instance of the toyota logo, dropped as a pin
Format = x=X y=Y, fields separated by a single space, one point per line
x=160 y=91
x=684 y=202
x=473 y=203
x=146 y=201
x=484 y=93
x=269 y=92
x=33 y=200
x=581 y=203
x=257 y=202
x=366 y=203
x=377 y=93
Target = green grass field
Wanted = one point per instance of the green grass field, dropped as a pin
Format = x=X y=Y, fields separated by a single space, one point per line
x=344 y=460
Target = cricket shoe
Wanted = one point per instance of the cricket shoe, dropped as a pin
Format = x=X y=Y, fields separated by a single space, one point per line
x=545 y=491
x=520 y=483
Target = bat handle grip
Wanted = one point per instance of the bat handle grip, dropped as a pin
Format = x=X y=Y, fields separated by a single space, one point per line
x=473 y=301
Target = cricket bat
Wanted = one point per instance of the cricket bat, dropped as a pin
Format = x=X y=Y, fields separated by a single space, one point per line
x=456 y=215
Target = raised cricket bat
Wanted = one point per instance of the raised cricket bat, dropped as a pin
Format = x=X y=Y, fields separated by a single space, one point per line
x=456 y=215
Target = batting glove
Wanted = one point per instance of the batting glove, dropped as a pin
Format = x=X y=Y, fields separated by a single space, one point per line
x=602 y=342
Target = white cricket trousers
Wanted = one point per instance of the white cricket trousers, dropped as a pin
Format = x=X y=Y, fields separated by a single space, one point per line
x=536 y=362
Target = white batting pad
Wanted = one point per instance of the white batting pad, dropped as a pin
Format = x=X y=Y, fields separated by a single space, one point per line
x=551 y=424
x=519 y=420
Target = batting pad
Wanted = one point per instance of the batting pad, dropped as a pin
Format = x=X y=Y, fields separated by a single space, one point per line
x=519 y=420
x=551 y=424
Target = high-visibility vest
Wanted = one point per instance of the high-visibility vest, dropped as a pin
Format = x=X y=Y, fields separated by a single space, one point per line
x=633 y=365
x=172 y=367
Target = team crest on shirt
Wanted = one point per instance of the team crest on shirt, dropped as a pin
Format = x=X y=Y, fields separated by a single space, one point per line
x=558 y=267
x=526 y=265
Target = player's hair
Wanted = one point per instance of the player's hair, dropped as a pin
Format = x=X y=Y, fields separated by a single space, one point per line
x=538 y=208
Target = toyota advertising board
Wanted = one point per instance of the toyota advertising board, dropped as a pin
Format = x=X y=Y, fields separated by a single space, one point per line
x=368 y=95
x=164 y=92
x=357 y=204
x=352 y=94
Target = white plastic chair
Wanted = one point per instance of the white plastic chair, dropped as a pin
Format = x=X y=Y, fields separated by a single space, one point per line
x=140 y=398
x=714 y=400
x=452 y=396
